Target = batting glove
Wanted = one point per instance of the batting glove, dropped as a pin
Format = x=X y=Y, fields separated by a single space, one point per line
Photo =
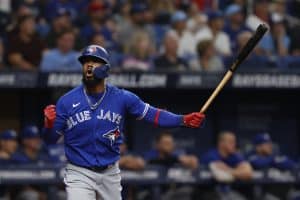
x=193 y=120
x=50 y=115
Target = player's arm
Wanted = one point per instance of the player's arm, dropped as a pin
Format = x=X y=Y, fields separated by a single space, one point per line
x=131 y=162
x=162 y=118
x=243 y=171
x=16 y=59
x=54 y=122
x=189 y=161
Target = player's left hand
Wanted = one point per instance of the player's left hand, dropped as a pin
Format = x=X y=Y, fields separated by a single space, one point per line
x=193 y=120
x=50 y=116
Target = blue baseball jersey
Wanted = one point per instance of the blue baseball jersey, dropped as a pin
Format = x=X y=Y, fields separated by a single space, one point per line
x=92 y=134
x=152 y=157
x=275 y=161
x=232 y=160
x=20 y=157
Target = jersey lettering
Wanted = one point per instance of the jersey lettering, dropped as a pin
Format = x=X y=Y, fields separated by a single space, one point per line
x=78 y=118
x=110 y=116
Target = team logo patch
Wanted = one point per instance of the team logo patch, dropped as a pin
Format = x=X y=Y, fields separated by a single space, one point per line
x=112 y=135
x=92 y=49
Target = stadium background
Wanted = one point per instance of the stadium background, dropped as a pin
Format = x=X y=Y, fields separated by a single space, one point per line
x=262 y=97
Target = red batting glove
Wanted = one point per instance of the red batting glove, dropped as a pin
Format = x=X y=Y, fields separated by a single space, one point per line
x=50 y=116
x=193 y=120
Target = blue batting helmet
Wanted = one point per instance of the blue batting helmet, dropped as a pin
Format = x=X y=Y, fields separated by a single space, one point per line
x=98 y=52
x=94 y=51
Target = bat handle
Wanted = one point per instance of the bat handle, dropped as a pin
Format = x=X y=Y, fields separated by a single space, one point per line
x=226 y=78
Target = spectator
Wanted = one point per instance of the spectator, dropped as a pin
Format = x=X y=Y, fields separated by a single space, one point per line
x=277 y=43
x=169 y=60
x=208 y=60
x=63 y=57
x=31 y=151
x=25 y=50
x=225 y=162
x=123 y=16
x=98 y=39
x=162 y=9
x=263 y=156
x=129 y=161
x=8 y=146
x=137 y=23
x=234 y=24
x=214 y=32
x=280 y=7
x=97 y=18
x=60 y=22
x=2 y=65
x=75 y=7
x=116 y=57
x=33 y=5
x=197 y=20
x=207 y=5
x=260 y=14
x=140 y=53
x=167 y=155
x=186 y=43
x=12 y=28
x=255 y=61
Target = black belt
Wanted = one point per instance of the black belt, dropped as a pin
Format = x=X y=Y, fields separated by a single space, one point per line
x=97 y=169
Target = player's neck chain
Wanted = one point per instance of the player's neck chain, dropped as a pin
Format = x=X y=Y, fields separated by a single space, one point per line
x=94 y=106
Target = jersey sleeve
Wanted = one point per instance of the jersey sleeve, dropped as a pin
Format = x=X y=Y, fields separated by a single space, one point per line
x=143 y=111
x=210 y=157
x=236 y=159
x=135 y=106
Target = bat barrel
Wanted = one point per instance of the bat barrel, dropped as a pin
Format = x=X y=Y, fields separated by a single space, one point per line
x=259 y=33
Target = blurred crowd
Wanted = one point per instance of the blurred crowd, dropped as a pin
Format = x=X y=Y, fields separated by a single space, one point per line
x=150 y=35
x=226 y=161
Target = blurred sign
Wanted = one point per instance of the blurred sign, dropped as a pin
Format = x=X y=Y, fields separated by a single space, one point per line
x=187 y=80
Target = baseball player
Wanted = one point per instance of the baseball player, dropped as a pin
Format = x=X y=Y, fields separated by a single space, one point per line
x=91 y=118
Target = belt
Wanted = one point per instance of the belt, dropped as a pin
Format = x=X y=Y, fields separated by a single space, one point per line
x=98 y=169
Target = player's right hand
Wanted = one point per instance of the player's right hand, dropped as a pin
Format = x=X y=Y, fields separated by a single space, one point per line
x=50 y=116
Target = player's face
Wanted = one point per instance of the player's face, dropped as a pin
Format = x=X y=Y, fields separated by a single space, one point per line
x=265 y=149
x=9 y=146
x=229 y=143
x=166 y=145
x=88 y=67
x=33 y=143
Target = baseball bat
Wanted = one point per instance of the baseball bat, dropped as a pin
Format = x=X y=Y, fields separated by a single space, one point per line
x=242 y=55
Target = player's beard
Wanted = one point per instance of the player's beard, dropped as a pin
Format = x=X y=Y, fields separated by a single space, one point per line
x=90 y=83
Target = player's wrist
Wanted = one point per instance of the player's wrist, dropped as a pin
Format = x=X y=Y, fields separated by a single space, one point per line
x=48 y=123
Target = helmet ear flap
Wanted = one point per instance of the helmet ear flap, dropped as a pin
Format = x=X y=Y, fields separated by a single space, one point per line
x=101 y=72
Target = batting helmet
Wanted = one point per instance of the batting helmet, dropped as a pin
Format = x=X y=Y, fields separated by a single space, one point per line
x=94 y=51
x=98 y=52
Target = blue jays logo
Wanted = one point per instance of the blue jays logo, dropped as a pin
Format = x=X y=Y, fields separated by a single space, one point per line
x=92 y=49
x=112 y=135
